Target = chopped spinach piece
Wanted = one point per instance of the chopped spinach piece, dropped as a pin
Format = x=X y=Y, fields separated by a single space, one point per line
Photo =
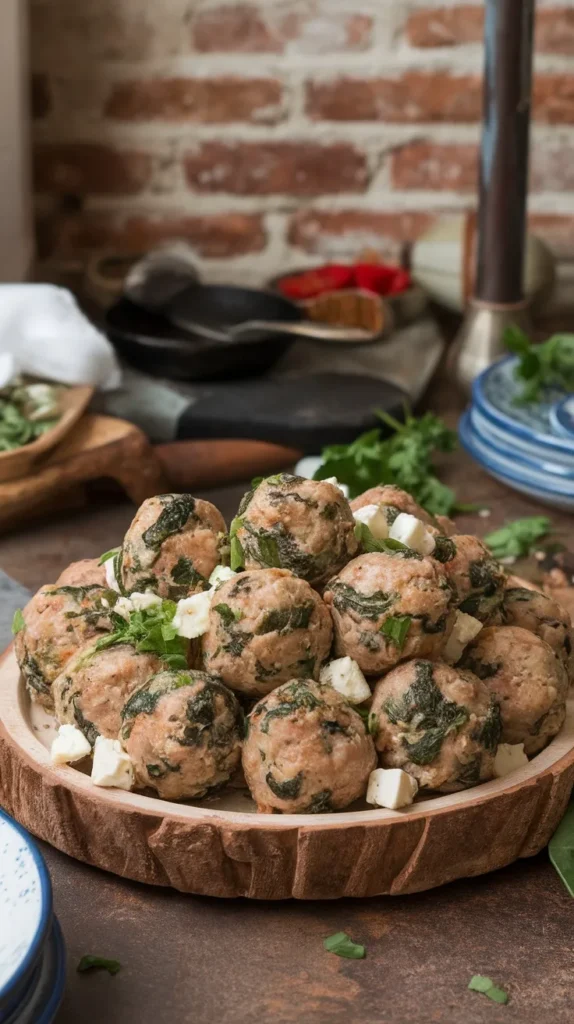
x=186 y=575
x=491 y=730
x=293 y=697
x=285 y=620
x=387 y=546
x=341 y=945
x=94 y=963
x=483 y=669
x=329 y=511
x=33 y=675
x=288 y=790
x=227 y=614
x=395 y=628
x=444 y=549
x=237 y=642
x=424 y=708
x=321 y=803
x=77 y=594
x=368 y=606
x=469 y=774
x=171 y=520
x=18 y=623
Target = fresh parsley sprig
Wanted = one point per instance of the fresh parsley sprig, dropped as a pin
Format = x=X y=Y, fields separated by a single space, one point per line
x=341 y=945
x=403 y=459
x=549 y=364
x=518 y=538
x=480 y=983
x=152 y=630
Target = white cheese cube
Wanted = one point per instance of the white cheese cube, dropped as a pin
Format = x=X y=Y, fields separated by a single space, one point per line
x=110 y=568
x=465 y=628
x=112 y=767
x=124 y=607
x=69 y=745
x=342 y=487
x=509 y=757
x=8 y=369
x=412 y=531
x=220 y=575
x=344 y=675
x=391 y=787
x=141 y=602
x=373 y=517
x=192 y=615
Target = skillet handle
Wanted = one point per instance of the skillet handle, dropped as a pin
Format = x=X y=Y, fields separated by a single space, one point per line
x=212 y=463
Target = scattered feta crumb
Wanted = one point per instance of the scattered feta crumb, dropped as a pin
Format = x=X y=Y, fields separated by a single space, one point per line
x=308 y=466
x=391 y=787
x=8 y=369
x=124 y=607
x=192 y=615
x=220 y=575
x=484 y=513
x=373 y=517
x=342 y=487
x=465 y=628
x=69 y=745
x=112 y=767
x=411 y=531
x=344 y=675
x=141 y=602
x=509 y=757
x=110 y=567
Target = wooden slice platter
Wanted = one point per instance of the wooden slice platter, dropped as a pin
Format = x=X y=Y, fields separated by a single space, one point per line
x=222 y=847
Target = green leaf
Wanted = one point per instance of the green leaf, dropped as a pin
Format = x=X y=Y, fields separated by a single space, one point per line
x=540 y=366
x=95 y=963
x=396 y=628
x=341 y=945
x=561 y=849
x=518 y=538
x=18 y=623
x=237 y=555
x=484 y=985
x=107 y=555
x=229 y=616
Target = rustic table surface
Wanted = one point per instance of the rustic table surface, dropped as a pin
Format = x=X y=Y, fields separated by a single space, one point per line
x=201 y=960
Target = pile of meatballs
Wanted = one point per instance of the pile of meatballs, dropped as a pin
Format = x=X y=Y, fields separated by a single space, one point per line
x=326 y=653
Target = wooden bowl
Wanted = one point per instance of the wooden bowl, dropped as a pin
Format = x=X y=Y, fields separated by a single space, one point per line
x=222 y=847
x=20 y=462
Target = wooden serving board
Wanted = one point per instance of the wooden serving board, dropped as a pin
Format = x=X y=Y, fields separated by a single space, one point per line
x=210 y=848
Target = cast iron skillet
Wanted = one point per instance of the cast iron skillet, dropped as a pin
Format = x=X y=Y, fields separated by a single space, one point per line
x=151 y=343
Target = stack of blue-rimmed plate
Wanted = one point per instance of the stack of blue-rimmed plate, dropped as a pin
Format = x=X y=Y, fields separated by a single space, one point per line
x=530 y=446
x=32 y=955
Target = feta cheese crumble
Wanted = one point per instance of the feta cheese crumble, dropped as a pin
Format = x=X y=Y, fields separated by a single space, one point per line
x=112 y=767
x=342 y=487
x=124 y=607
x=345 y=676
x=391 y=788
x=411 y=531
x=142 y=602
x=374 y=518
x=192 y=615
x=69 y=745
x=220 y=575
x=509 y=757
x=465 y=628
x=111 y=580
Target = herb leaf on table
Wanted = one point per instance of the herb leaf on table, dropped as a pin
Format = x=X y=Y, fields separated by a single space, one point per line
x=480 y=983
x=341 y=945
x=549 y=364
x=561 y=849
x=95 y=963
x=518 y=538
x=18 y=623
x=403 y=459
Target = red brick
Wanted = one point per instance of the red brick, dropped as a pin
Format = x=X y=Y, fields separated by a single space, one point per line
x=557 y=230
x=445 y=26
x=553 y=98
x=206 y=100
x=269 y=168
x=80 y=168
x=246 y=28
x=414 y=97
x=349 y=231
x=40 y=96
x=429 y=165
x=214 y=236
x=551 y=167
x=555 y=30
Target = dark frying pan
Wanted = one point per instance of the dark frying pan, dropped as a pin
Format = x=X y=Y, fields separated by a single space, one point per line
x=150 y=342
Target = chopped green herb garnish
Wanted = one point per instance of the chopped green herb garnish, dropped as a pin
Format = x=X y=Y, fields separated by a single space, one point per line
x=484 y=985
x=229 y=616
x=518 y=538
x=341 y=945
x=396 y=629
x=550 y=364
x=387 y=546
x=107 y=555
x=18 y=623
x=98 y=963
x=149 y=630
x=561 y=849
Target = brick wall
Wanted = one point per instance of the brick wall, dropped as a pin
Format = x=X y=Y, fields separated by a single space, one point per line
x=273 y=132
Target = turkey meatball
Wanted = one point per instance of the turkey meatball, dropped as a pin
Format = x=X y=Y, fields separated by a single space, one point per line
x=394 y=500
x=541 y=615
x=172 y=546
x=390 y=607
x=290 y=523
x=183 y=732
x=476 y=578
x=83 y=573
x=522 y=671
x=438 y=723
x=93 y=688
x=307 y=750
x=265 y=627
x=57 y=621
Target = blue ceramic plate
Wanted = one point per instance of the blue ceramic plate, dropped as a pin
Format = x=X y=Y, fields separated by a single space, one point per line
x=494 y=392
x=562 y=418
x=521 y=455
x=25 y=912
x=562 y=498
x=40 y=1004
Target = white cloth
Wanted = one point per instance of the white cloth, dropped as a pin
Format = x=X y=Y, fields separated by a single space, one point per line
x=43 y=328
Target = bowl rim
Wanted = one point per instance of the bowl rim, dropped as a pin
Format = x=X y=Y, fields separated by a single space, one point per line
x=46 y=910
x=520 y=458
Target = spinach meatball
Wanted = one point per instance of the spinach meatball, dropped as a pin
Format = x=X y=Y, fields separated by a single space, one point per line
x=522 y=672
x=172 y=546
x=541 y=615
x=94 y=686
x=394 y=500
x=57 y=621
x=183 y=732
x=290 y=523
x=265 y=627
x=307 y=750
x=476 y=578
x=390 y=607
x=440 y=724
x=83 y=573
